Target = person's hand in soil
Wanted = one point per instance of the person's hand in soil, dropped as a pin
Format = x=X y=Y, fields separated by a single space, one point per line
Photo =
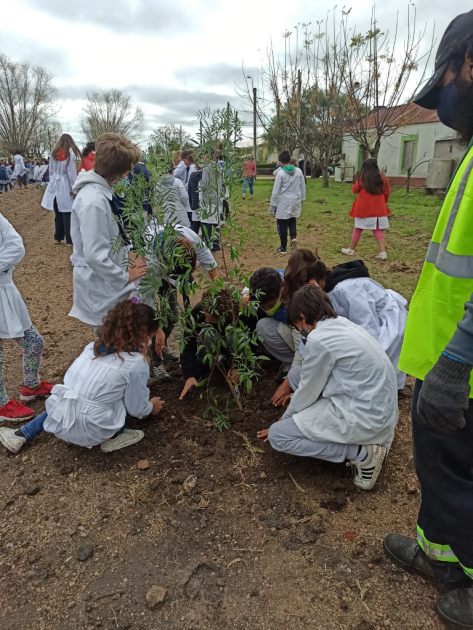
x=160 y=342
x=282 y=394
x=264 y=433
x=190 y=383
x=158 y=404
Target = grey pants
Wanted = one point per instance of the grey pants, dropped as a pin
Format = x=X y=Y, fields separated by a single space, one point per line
x=273 y=343
x=285 y=437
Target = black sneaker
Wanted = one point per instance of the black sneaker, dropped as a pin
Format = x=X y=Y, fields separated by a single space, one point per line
x=406 y=553
x=280 y=250
x=169 y=355
x=158 y=371
x=456 y=608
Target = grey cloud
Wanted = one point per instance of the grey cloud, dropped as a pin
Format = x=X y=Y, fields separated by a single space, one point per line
x=215 y=74
x=56 y=60
x=121 y=16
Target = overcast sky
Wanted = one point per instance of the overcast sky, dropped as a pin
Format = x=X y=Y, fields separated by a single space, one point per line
x=173 y=57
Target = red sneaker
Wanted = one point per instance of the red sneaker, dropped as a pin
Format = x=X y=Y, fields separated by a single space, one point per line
x=43 y=389
x=16 y=412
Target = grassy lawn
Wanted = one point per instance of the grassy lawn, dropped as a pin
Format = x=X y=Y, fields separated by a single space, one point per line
x=327 y=227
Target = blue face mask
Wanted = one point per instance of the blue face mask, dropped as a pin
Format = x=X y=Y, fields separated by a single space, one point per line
x=448 y=105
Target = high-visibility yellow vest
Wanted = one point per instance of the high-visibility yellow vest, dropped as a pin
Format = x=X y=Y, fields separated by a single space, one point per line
x=446 y=281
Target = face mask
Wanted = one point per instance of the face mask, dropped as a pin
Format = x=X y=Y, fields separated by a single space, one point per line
x=448 y=105
x=305 y=332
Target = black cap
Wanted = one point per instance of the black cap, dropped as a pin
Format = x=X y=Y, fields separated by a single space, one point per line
x=460 y=27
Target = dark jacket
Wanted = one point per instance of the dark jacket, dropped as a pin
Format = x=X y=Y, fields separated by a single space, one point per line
x=345 y=271
x=193 y=189
x=140 y=169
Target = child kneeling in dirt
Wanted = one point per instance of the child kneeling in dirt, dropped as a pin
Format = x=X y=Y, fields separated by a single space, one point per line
x=211 y=317
x=106 y=382
x=279 y=340
x=345 y=406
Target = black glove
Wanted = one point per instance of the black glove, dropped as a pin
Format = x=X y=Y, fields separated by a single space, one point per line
x=445 y=395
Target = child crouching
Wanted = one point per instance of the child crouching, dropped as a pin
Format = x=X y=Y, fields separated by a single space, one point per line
x=346 y=404
x=107 y=381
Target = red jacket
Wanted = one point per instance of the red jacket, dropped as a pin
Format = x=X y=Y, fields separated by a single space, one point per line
x=367 y=205
x=87 y=162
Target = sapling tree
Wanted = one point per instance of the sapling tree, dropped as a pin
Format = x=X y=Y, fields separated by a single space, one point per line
x=227 y=345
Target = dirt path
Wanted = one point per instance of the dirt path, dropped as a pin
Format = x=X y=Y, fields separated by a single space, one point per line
x=243 y=548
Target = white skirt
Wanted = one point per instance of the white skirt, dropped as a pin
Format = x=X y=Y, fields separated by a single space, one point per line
x=14 y=317
x=372 y=223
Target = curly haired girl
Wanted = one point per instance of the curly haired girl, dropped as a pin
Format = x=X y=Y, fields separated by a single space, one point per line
x=107 y=381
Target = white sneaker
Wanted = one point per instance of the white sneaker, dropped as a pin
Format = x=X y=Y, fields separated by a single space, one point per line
x=382 y=256
x=367 y=472
x=127 y=438
x=11 y=441
x=348 y=252
x=293 y=244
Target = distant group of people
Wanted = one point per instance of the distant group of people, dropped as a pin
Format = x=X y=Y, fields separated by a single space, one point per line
x=21 y=173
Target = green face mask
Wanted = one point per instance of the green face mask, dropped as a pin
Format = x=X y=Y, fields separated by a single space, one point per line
x=275 y=309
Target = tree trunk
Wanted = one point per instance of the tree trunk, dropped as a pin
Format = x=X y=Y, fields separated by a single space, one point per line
x=324 y=175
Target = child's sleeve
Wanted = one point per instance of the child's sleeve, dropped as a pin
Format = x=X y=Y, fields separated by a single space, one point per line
x=95 y=237
x=356 y=188
x=183 y=195
x=72 y=170
x=317 y=366
x=12 y=249
x=276 y=192
x=387 y=189
x=136 y=400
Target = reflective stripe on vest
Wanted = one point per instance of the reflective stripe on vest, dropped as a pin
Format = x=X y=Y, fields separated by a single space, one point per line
x=453 y=265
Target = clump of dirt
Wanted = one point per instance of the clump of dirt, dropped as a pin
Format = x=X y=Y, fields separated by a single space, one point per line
x=224 y=529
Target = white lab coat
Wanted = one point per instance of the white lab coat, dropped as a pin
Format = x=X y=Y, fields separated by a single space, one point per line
x=288 y=194
x=380 y=312
x=211 y=194
x=62 y=175
x=14 y=318
x=100 y=279
x=174 y=200
x=204 y=256
x=97 y=394
x=20 y=168
x=348 y=390
x=180 y=172
x=36 y=173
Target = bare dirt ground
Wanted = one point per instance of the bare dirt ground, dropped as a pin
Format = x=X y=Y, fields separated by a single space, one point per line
x=244 y=548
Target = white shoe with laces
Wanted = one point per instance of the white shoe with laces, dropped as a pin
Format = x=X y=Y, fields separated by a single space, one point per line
x=382 y=256
x=348 y=252
x=127 y=438
x=10 y=441
x=367 y=471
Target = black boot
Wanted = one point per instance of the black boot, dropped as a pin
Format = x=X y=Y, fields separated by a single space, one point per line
x=456 y=608
x=406 y=553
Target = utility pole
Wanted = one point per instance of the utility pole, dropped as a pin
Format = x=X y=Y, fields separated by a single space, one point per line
x=297 y=152
x=254 y=126
x=236 y=126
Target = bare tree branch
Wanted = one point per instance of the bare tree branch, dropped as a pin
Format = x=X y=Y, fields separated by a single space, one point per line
x=111 y=111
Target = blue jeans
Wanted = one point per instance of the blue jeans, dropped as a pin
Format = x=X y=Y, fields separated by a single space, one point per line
x=35 y=426
x=248 y=182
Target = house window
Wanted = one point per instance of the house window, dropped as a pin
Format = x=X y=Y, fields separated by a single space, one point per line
x=451 y=148
x=407 y=157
